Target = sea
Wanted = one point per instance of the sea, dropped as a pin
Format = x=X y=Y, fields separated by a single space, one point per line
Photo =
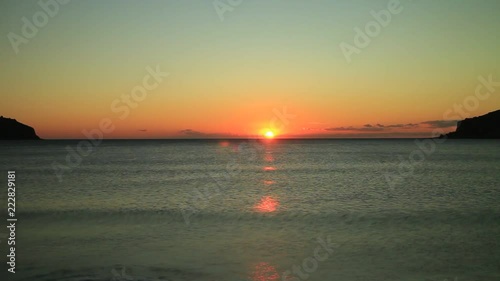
x=252 y=210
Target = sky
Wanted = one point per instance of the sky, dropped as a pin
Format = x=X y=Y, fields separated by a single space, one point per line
x=237 y=68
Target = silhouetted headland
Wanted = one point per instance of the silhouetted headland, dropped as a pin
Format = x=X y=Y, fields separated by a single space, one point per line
x=11 y=129
x=482 y=127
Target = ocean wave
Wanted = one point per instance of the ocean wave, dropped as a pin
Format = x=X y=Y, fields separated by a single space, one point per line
x=373 y=218
x=118 y=273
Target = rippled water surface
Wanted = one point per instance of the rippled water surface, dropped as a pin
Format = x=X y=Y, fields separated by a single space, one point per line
x=254 y=210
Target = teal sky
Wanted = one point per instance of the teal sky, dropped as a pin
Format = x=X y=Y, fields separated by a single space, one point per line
x=263 y=55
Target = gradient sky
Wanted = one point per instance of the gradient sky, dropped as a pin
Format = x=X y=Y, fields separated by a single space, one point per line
x=228 y=77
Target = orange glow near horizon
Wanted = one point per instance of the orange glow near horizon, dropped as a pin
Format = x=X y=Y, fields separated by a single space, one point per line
x=274 y=80
x=269 y=134
x=143 y=124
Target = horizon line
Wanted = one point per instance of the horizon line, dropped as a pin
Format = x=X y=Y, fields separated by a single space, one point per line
x=226 y=139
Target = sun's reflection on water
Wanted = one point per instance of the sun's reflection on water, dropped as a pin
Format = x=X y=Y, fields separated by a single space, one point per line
x=269 y=157
x=267 y=204
x=264 y=271
x=269 y=168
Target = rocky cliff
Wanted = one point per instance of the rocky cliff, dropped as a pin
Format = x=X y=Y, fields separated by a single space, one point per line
x=10 y=129
x=482 y=127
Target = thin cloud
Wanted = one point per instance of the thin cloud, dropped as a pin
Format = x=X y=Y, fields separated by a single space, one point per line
x=197 y=134
x=192 y=133
x=363 y=129
x=409 y=125
x=339 y=129
x=441 y=123
x=373 y=128
x=380 y=127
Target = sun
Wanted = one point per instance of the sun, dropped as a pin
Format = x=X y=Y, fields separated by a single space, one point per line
x=269 y=134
